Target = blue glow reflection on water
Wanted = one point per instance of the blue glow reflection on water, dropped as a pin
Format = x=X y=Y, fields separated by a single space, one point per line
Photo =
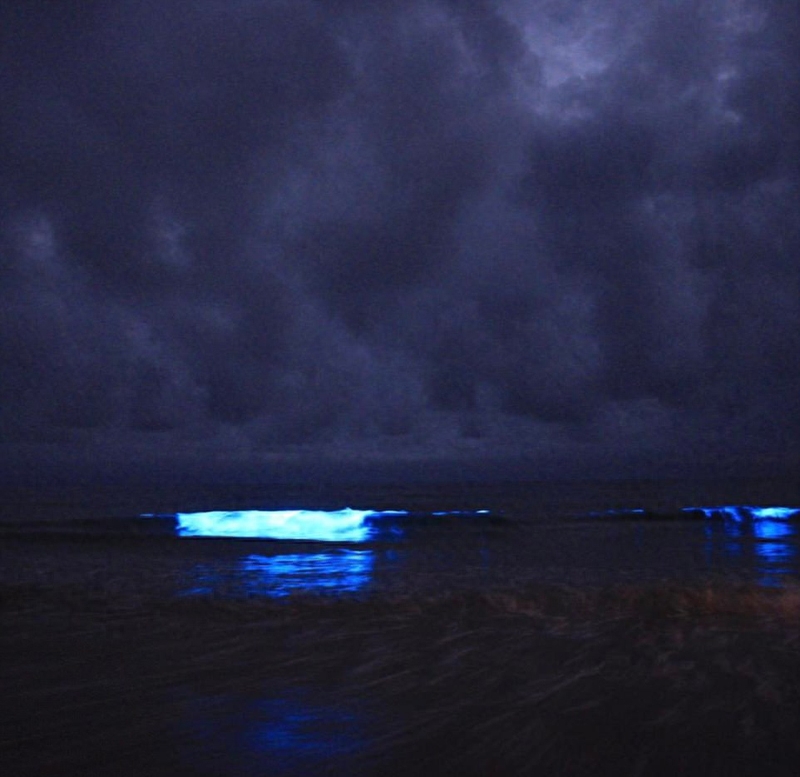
x=776 y=554
x=744 y=538
x=770 y=530
x=294 y=733
x=343 y=572
x=768 y=535
x=337 y=572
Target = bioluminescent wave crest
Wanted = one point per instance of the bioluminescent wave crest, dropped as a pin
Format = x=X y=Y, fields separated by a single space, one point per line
x=462 y=513
x=732 y=512
x=345 y=525
x=632 y=512
x=775 y=512
x=747 y=512
x=766 y=535
x=737 y=513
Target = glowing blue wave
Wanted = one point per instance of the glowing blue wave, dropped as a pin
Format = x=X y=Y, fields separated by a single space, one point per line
x=782 y=513
x=328 y=526
x=461 y=512
x=742 y=513
x=346 y=525
x=735 y=513
x=626 y=513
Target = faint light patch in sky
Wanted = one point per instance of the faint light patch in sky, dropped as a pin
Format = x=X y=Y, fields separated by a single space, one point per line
x=169 y=236
x=565 y=58
x=737 y=19
x=567 y=54
x=36 y=239
x=742 y=17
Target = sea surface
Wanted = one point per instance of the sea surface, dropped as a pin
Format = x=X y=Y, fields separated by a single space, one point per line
x=416 y=538
x=144 y=629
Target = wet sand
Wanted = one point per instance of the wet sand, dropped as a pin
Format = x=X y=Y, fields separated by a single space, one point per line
x=655 y=679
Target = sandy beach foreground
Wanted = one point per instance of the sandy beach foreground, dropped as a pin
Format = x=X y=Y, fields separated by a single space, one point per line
x=651 y=679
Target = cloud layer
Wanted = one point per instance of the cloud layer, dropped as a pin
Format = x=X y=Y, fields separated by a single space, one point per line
x=558 y=234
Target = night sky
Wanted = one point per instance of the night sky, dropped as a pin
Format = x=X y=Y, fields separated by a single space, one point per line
x=479 y=238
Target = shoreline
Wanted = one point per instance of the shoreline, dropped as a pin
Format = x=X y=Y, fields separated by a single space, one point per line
x=639 y=679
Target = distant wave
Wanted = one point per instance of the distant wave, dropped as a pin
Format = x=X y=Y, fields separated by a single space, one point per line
x=738 y=513
x=345 y=525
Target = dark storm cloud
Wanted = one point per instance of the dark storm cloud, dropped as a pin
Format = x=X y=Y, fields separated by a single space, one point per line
x=673 y=193
x=562 y=233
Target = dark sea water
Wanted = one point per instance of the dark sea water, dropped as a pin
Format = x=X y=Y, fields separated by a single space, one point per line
x=184 y=677
x=451 y=536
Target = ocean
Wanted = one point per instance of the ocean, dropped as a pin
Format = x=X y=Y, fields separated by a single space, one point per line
x=469 y=628
x=420 y=538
